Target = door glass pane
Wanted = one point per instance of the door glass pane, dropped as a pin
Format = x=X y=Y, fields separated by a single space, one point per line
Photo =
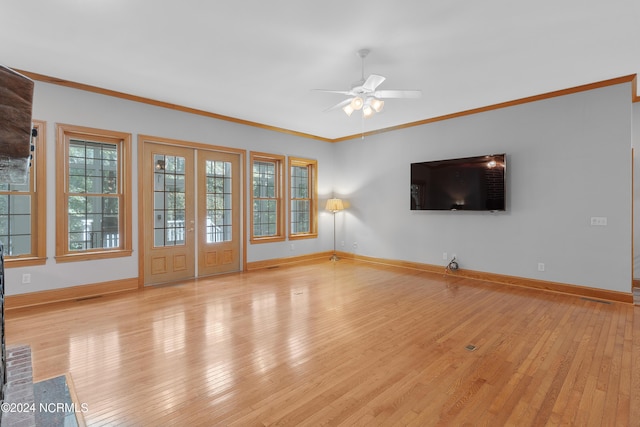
x=169 y=200
x=218 y=209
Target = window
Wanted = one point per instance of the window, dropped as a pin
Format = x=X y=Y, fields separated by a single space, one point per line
x=303 y=193
x=267 y=203
x=93 y=194
x=23 y=211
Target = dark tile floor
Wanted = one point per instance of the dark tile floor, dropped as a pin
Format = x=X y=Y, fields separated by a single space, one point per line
x=53 y=403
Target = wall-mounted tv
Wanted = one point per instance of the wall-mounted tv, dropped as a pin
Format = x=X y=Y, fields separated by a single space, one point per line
x=465 y=184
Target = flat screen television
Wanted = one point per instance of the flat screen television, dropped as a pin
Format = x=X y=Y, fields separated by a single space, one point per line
x=465 y=184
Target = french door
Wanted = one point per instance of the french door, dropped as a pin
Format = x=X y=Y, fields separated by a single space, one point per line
x=191 y=211
x=219 y=212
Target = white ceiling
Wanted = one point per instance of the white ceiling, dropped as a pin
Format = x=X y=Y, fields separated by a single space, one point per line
x=258 y=60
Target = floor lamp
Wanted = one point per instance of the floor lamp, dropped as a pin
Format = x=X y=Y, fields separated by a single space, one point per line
x=334 y=205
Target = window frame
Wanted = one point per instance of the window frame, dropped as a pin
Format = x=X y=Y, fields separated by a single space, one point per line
x=123 y=140
x=279 y=162
x=312 y=173
x=38 y=193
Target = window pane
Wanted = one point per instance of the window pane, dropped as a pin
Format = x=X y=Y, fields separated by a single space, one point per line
x=4 y=227
x=264 y=218
x=299 y=182
x=93 y=167
x=26 y=187
x=15 y=224
x=77 y=184
x=158 y=237
x=264 y=179
x=300 y=216
x=19 y=245
x=169 y=201
x=20 y=224
x=218 y=201
x=19 y=204
x=93 y=222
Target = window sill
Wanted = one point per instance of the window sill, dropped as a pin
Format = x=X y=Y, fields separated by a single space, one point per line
x=24 y=262
x=267 y=239
x=303 y=236
x=87 y=256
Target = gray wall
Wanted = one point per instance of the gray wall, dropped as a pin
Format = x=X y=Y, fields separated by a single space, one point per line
x=57 y=104
x=568 y=160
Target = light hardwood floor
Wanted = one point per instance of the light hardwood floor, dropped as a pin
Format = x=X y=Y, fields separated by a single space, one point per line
x=346 y=343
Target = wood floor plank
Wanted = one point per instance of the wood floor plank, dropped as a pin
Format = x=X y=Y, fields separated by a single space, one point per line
x=340 y=343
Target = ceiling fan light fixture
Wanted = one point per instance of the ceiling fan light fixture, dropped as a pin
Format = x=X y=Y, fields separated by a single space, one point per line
x=364 y=94
x=348 y=109
x=377 y=104
x=357 y=103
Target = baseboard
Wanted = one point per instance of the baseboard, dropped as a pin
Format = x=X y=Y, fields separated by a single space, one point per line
x=636 y=283
x=583 y=291
x=124 y=285
x=277 y=262
x=71 y=293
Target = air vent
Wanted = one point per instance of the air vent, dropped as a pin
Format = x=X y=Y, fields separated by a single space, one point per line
x=595 y=300
x=88 y=298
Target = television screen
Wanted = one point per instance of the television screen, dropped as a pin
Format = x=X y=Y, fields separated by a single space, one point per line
x=468 y=184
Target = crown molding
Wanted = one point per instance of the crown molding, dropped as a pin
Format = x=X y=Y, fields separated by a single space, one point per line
x=631 y=78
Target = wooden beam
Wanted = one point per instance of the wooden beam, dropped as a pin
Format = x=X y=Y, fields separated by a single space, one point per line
x=16 y=98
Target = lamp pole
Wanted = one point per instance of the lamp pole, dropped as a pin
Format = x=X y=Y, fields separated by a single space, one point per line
x=334 y=257
x=334 y=205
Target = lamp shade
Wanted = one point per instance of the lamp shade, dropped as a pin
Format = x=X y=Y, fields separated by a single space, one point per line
x=348 y=109
x=334 y=205
x=357 y=103
x=377 y=104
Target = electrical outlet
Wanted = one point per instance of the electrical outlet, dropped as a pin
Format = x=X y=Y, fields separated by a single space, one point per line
x=26 y=278
x=541 y=266
x=292 y=247
x=445 y=256
x=355 y=245
x=600 y=221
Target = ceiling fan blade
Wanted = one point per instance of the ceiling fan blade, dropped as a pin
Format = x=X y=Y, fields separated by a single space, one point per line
x=398 y=94
x=339 y=105
x=372 y=82
x=341 y=92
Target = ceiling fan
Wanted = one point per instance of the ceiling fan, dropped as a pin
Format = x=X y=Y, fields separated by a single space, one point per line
x=364 y=95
